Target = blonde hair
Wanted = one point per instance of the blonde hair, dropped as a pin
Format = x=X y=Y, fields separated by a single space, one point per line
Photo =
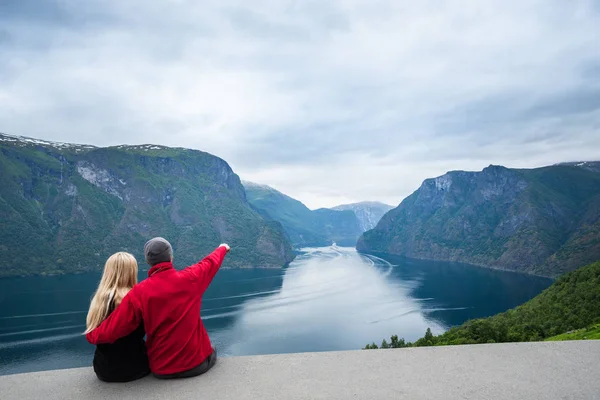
x=119 y=276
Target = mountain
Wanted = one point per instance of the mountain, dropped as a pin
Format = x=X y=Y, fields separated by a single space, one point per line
x=543 y=221
x=571 y=303
x=593 y=166
x=66 y=208
x=304 y=227
x=368 y=212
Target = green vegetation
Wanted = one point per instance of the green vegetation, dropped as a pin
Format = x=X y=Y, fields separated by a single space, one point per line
x=66 y=208
x=543 y=221
x=571 y=303
x=304 y=227
x=589 y=333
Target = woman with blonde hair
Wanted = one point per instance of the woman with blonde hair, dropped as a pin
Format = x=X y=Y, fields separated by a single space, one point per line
x=126 y=359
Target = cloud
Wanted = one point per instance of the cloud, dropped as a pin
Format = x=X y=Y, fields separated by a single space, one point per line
x=330 y=102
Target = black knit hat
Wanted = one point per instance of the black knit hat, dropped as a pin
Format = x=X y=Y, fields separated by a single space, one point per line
x=158 y=250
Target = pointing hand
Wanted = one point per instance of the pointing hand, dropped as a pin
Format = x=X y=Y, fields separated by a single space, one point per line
x=225 y=245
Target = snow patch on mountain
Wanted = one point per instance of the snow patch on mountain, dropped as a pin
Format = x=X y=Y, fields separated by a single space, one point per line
x=25 y=141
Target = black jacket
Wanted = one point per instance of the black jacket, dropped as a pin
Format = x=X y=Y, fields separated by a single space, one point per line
x=124 y=360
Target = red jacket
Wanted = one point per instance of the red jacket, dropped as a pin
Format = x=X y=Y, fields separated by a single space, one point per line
x=169 y=304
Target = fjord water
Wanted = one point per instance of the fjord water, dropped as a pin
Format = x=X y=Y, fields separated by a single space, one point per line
x=327 y=299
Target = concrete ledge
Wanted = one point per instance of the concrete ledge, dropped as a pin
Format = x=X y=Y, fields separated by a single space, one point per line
x=553 y=370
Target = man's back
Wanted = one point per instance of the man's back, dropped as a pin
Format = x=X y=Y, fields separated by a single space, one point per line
x=168 y=302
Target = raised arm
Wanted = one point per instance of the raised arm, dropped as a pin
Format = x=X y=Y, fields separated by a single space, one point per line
x=204 y=271
x=124 y=320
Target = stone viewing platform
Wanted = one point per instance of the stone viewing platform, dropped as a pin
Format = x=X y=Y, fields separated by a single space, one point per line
x=547 y=370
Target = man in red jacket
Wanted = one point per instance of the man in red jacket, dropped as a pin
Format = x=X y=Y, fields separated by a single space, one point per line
x=168 y=302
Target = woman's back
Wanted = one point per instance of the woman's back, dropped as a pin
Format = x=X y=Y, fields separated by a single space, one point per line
x=124 y=360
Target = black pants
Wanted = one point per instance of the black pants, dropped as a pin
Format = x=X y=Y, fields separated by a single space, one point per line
x=199 y=370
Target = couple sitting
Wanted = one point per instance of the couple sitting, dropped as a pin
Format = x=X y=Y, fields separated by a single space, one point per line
x=165 y=307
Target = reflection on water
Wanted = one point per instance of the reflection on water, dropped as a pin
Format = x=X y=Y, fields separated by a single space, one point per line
x=327 y=299
x=331 y=299
x=470 y=292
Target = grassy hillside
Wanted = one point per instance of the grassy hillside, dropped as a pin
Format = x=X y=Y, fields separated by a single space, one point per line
x=65 y=208
x=570 y=303
x=589 y=333
x=543 y=221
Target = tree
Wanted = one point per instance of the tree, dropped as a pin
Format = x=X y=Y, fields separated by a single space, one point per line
x=398 y=343
x=429 y=335
x=384 y=344
x=427 y=340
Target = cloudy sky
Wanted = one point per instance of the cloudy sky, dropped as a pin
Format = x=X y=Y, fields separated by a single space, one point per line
x=328 y=101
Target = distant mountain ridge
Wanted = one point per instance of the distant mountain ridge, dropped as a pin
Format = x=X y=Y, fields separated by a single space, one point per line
x=368 y=212
x=593 y=166
x=66 y=207
x=543 y=221
x=305 y=227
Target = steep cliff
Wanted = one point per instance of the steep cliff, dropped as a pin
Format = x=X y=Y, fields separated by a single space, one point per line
x=543 y=221
x=368 y=212
x=66 y=207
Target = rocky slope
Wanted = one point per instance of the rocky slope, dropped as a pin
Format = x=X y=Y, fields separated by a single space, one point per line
x=305 y=227
x=543 y=221
x=65 y=208
x=368 y=212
